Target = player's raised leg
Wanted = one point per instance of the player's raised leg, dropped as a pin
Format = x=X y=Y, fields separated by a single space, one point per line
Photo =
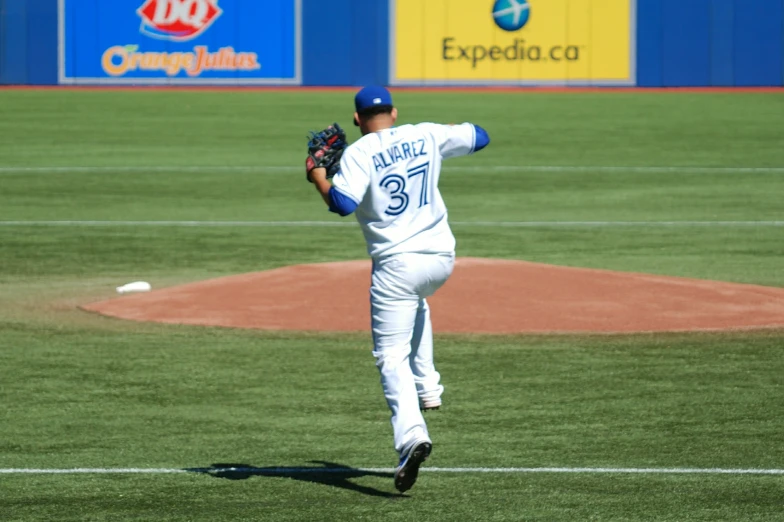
x=393 y=318
x=426 y=377
x=399 y=285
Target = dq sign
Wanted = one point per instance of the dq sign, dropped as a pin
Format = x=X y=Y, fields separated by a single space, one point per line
x=177 y=20
x=180 y=42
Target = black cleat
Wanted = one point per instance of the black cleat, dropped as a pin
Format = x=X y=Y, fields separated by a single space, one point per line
x=408 y=469
x=429 y=404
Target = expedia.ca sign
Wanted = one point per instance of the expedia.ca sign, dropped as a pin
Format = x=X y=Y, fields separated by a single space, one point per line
x=180 y=41
x=517 y=42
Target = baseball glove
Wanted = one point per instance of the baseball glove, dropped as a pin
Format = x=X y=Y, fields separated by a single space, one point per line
x=325 y=149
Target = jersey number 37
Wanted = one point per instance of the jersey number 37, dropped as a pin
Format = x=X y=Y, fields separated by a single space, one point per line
x=395 y=184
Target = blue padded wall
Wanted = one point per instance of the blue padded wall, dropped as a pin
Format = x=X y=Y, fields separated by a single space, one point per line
x=719 y=43
x=758 y=42
x=356 y=32
x=28 y=42
x=679 y=42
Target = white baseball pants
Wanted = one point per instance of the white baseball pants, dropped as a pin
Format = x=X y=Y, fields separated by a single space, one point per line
x=403 y=337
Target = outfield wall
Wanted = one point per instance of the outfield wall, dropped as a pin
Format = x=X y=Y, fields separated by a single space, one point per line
x=649 y=43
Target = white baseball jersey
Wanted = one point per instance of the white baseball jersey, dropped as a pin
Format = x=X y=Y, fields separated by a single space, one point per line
x=393 y=176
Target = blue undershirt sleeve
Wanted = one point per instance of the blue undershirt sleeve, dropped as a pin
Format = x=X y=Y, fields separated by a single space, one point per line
x=481 y=139
x=341 y=204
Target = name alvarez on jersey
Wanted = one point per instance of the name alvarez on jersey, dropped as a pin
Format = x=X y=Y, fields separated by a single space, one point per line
x=395 y=153
x=389 y=180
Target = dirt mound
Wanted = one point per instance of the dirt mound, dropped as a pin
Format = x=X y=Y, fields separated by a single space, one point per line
x=482 y=296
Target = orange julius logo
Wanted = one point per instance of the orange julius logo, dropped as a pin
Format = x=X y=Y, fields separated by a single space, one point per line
x=177 y=21
x=120 y=60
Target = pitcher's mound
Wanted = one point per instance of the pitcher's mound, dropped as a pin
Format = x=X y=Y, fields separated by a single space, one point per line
x=482 y=296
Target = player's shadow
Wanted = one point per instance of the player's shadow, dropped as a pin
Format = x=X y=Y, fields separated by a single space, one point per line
x=328 y=473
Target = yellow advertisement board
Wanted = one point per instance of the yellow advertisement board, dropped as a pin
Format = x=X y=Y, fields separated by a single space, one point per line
x=517 y=42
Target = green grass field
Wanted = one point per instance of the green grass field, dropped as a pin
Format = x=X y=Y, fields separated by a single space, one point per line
x=677 y=184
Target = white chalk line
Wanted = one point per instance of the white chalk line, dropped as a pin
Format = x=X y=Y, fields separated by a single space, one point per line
x=661 y=169
x=353 y=471
x=152 y=168
x=92 y=223
x=352 y=223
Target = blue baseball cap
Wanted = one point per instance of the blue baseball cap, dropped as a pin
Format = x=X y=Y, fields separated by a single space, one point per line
x=372 y=96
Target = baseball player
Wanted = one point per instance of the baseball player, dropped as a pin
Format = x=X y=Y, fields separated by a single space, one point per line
x=389 y=180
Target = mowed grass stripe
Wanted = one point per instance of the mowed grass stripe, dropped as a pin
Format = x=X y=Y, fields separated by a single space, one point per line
x=447 y=167
x=352 y=223
x=344 y=470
